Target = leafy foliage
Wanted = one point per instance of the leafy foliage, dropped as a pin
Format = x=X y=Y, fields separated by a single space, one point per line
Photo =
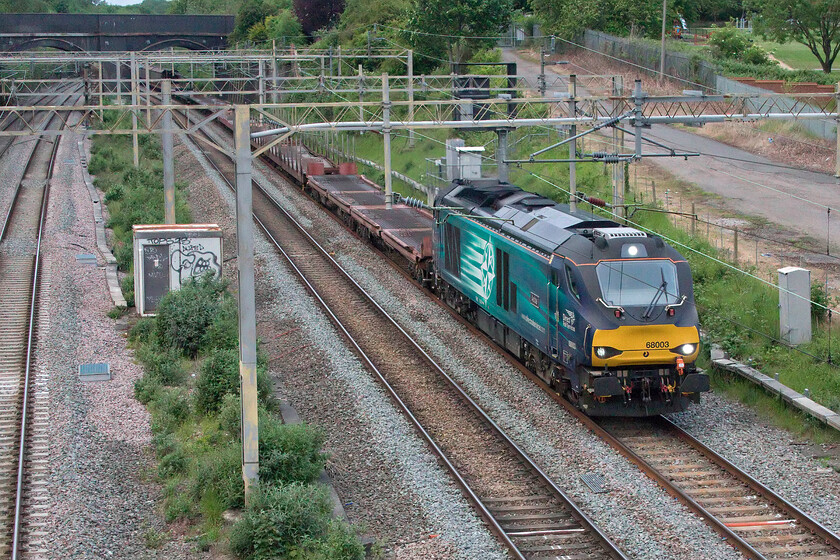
x=317 y=14
x=293 y=521
x=454 y=29
x=183 y=316
x=290 y=453
x=729 y=42
x=814 y=23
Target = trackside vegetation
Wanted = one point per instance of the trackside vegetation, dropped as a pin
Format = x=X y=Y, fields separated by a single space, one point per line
x=189 y=353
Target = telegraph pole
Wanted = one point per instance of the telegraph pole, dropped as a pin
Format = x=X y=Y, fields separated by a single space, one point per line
x=168 y=156
x=135 y=145
x=386 y=134
x=662 y=54
x=247 y=304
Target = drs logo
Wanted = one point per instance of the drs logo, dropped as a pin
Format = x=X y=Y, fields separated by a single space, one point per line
x=658 y=344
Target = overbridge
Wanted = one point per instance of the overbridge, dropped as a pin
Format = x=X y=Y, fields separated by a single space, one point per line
x=110 y=32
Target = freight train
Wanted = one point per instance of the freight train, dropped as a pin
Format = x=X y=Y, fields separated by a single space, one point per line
x=602 y=313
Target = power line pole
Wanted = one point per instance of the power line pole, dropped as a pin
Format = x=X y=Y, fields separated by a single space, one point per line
x=386 y=133
x=135 y=141
x=572 y=145
x=247 y=304
x=168 y=156
x=662 y=54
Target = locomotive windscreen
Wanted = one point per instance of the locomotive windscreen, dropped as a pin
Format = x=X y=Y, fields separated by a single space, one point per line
x=635 y=283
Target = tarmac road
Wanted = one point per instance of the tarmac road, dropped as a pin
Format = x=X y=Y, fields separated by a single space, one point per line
x=748 y=184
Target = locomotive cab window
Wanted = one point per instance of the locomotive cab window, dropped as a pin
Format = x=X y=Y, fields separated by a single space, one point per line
x=573 y=287
x=638 y=282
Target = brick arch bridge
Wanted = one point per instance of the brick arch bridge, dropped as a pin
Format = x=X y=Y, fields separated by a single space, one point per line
x=108 y=32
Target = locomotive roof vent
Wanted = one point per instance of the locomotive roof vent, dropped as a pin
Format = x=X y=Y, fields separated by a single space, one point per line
x=618 y=233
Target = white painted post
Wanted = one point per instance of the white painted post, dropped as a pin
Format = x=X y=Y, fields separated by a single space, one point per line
x=247 y=304
x=166 y=141
x=572 y=145
x=410 y=64
x=135 y=145
x=795 y=304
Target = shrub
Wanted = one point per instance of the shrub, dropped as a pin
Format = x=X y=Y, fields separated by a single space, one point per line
x=142 y=331
x=219 y=377
x=219 y=471
x=183 y=316
x=290 y=452
x=229 y=416
x=728 y=42
x=116 y=192
x=172 y=408
x=223 y=332
x=164 y=364
x=127 y=285
x=146 y=388
x=172 y=463
x=282 y=521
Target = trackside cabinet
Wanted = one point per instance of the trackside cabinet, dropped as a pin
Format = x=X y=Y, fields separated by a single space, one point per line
x=167 y=256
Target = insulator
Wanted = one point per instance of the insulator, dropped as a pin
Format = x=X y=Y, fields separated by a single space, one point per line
x=596 y=201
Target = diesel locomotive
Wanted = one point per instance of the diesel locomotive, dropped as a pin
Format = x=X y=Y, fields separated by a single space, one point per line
x=603 y=313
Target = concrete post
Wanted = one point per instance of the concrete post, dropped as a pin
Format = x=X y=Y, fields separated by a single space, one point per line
x=637 y=117
x=339 y=61
x=361 y=93
x=261 y=84
x=386 y=133
x=837 y=124
x=148 y=96
x=501 y=155
x=795 y=304
x=101 y=112
x=541 y=77
x=168 y=156
x=410 y=64
x=662 y=51
x=247 y=304
x=274 y=98
x=572 y=145
x=118 y=77
x=618 y=167
x=135 y=145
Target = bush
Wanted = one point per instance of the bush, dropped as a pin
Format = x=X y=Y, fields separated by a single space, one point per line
x=163 y=364
x=229 y=416
x=146 y=388
x=290 y=452
x=283 y=520
x=184 y=316
x=219 y=471
x=172 y=407
x=728 y=42
x=218 y=378
x=142 y=331
x=116 y=192
x=223 y=332
x=127 y=286
x=172 y=463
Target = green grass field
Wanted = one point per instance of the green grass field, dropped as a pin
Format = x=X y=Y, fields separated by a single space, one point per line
x=795 y=55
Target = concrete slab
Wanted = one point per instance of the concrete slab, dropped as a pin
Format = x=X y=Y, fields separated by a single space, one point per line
x=813 y=408
x=834 y=421
x=776 y=387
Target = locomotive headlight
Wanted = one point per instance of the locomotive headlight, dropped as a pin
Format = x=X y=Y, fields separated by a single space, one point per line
x=685 y=349
x=604 y=352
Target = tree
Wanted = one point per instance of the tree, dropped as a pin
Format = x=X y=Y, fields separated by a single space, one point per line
x=284 y=28
x=570 y=18
x=814 y=23
x=456 y=28
x=317 y=14
x=252 y=12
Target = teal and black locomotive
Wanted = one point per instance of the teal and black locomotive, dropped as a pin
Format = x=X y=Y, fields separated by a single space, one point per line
x=603 y=313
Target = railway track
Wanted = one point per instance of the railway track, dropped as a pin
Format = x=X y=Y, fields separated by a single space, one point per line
x=527 y=511
x=748 y=514
x=12 y=122
x=23 y=427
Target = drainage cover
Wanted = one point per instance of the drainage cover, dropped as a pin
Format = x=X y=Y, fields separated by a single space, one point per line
x=95 y=372
x=86 y=258
x=595 y=482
